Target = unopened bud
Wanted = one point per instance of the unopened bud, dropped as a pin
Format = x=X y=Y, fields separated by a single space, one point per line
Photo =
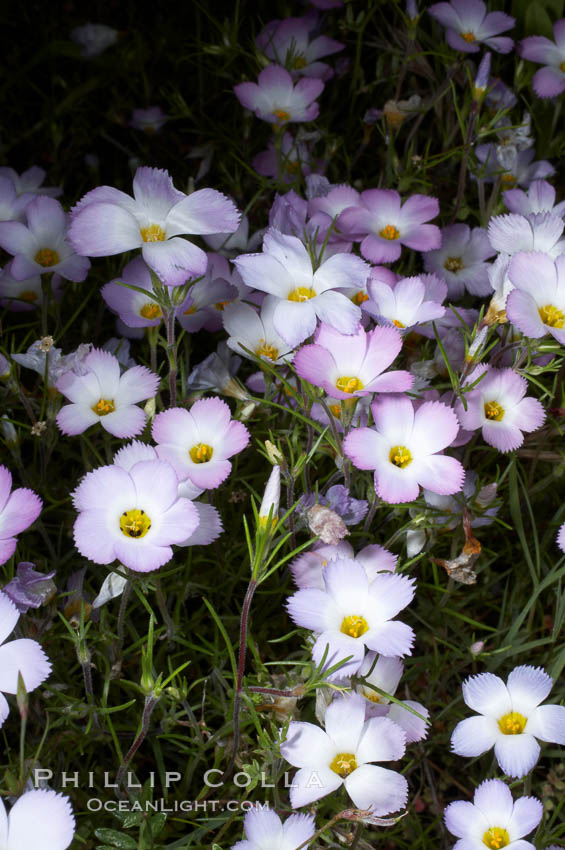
x=477 y=647
x=8 y=432
x=271 y=499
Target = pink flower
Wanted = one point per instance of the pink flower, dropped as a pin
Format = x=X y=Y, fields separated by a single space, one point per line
x=460 y=261
x=409 y=302
x=403 y=449
x=288 y=43
x=469 y=25
x=275 y=99
x=17 y=511
x=383 y=224
x=102 y=395
x=199 y=441
x=308 y=569
x=548 y=81
x=135 y=309
x=536 y=306
x=353 y=366
x=497 y=406
x=107 y=222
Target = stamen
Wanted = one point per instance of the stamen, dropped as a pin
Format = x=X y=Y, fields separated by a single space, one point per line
x=267 y=350
x=201 y=453
x=359 y=297
x=135 y=523
x=496 y=837
x=512 y=723
x=389 y=232
x=344 y=764
x=508 y=180
x=468 y=37
x=354 y=626
x=336 y=410
x=397 y=323
x=494 y=411
x=28 y=295
x=281 y=114
x=153 y=233
x=46 y=257
x=348 y=384
x=400 y=456
x=453 y=264
x=562 y=67
x=299 y=62
x=301 y=293
x=104 y=407
x=150 y=311
x=552 y=316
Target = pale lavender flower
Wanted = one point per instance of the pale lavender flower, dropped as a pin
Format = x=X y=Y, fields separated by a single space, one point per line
x=469 y=25
x=199 y=441
x=289 y=43
x=29 y=588
x=106 y=221
x=513 y=234
x=385 y=673
x=352 y=613
x=254 y=330
x=294 y=157
x=561 y=538
x=411 y=301
x=403 y=449
x=510 y=719
x=285 y=269
x=550 y=80
x=41 y=246
x=148 y=120
x=493 y=819
x=482 y=79
x=217 y=373
x=539 y=198
x=308 y=568
x=275 y=99
x=39 y=818
x=18 y=510
x=352 y=366
x=12 y=205
x=288 y=214
x=499 y=407
x=264 y=830
x=94 y=39
x=536 y=305
x=23 y=656
x=383 y=224
x=342 y=755
x=134 y=308
x=461 y=260
x=132 y=516
x=24 y=295
x=29 y=182
x=103 y=395
x=42 y=353
x=203 y=306
x=524 y=169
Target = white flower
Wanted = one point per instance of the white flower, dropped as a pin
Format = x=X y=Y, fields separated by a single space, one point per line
x=39 y=818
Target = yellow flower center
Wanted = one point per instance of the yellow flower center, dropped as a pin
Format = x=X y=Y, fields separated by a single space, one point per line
x=397 y=323
x=468 y=37
x=400 y=456
x=135 y=523
x=219 y=305
x=493 y=410
x=150 y=311
x=496 y=837
x=267 y=350
x=28 y=295
x=281 y=114
x=336 y=410
x=190 y=311
x=299 y=62
x=512 y=724
x=508 y=180
x=360 y=297
x=301 y=293
x=104 y=407
x=372 y=695
x=389 y=232
x=354 y=626
x=453 y=264
x=562 y=67
x=552 y=316
x=344 y=764
x=46 y=257
x=153 y=233
x=348 y=384
x=394 y=117
x=201 y=453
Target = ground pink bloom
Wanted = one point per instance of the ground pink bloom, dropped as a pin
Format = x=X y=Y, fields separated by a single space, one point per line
x=24 y=295
x=41 y=246
x=107 y=222
x=199 y=441
x=548 y=81
x=353 y=613
x=509 y=718
x=539 y=198
x=385 y=673
x=255 y=331
x=12 y=205
x=352 y=366
x=134 y=309
x=513 y=234
x=288 y=43
x=285 y=269
x=493 y=819
x=460 y=261
x=342 y=755
x=132 y=516
x=17 y=511
x=403 y=449
x=39 y=818
x=497 y=406
x=294 y=160
x=536 y=305
x=274 y=97
x=383 y=224
x=203 y=306
x=308 y=569
x=411 y=301
x=102 y=395
x=324 y=210
x=523 y=171
x=149 y=120
x=18 y=656
x=264 y=830
x=29 y=182
x=469 y=25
